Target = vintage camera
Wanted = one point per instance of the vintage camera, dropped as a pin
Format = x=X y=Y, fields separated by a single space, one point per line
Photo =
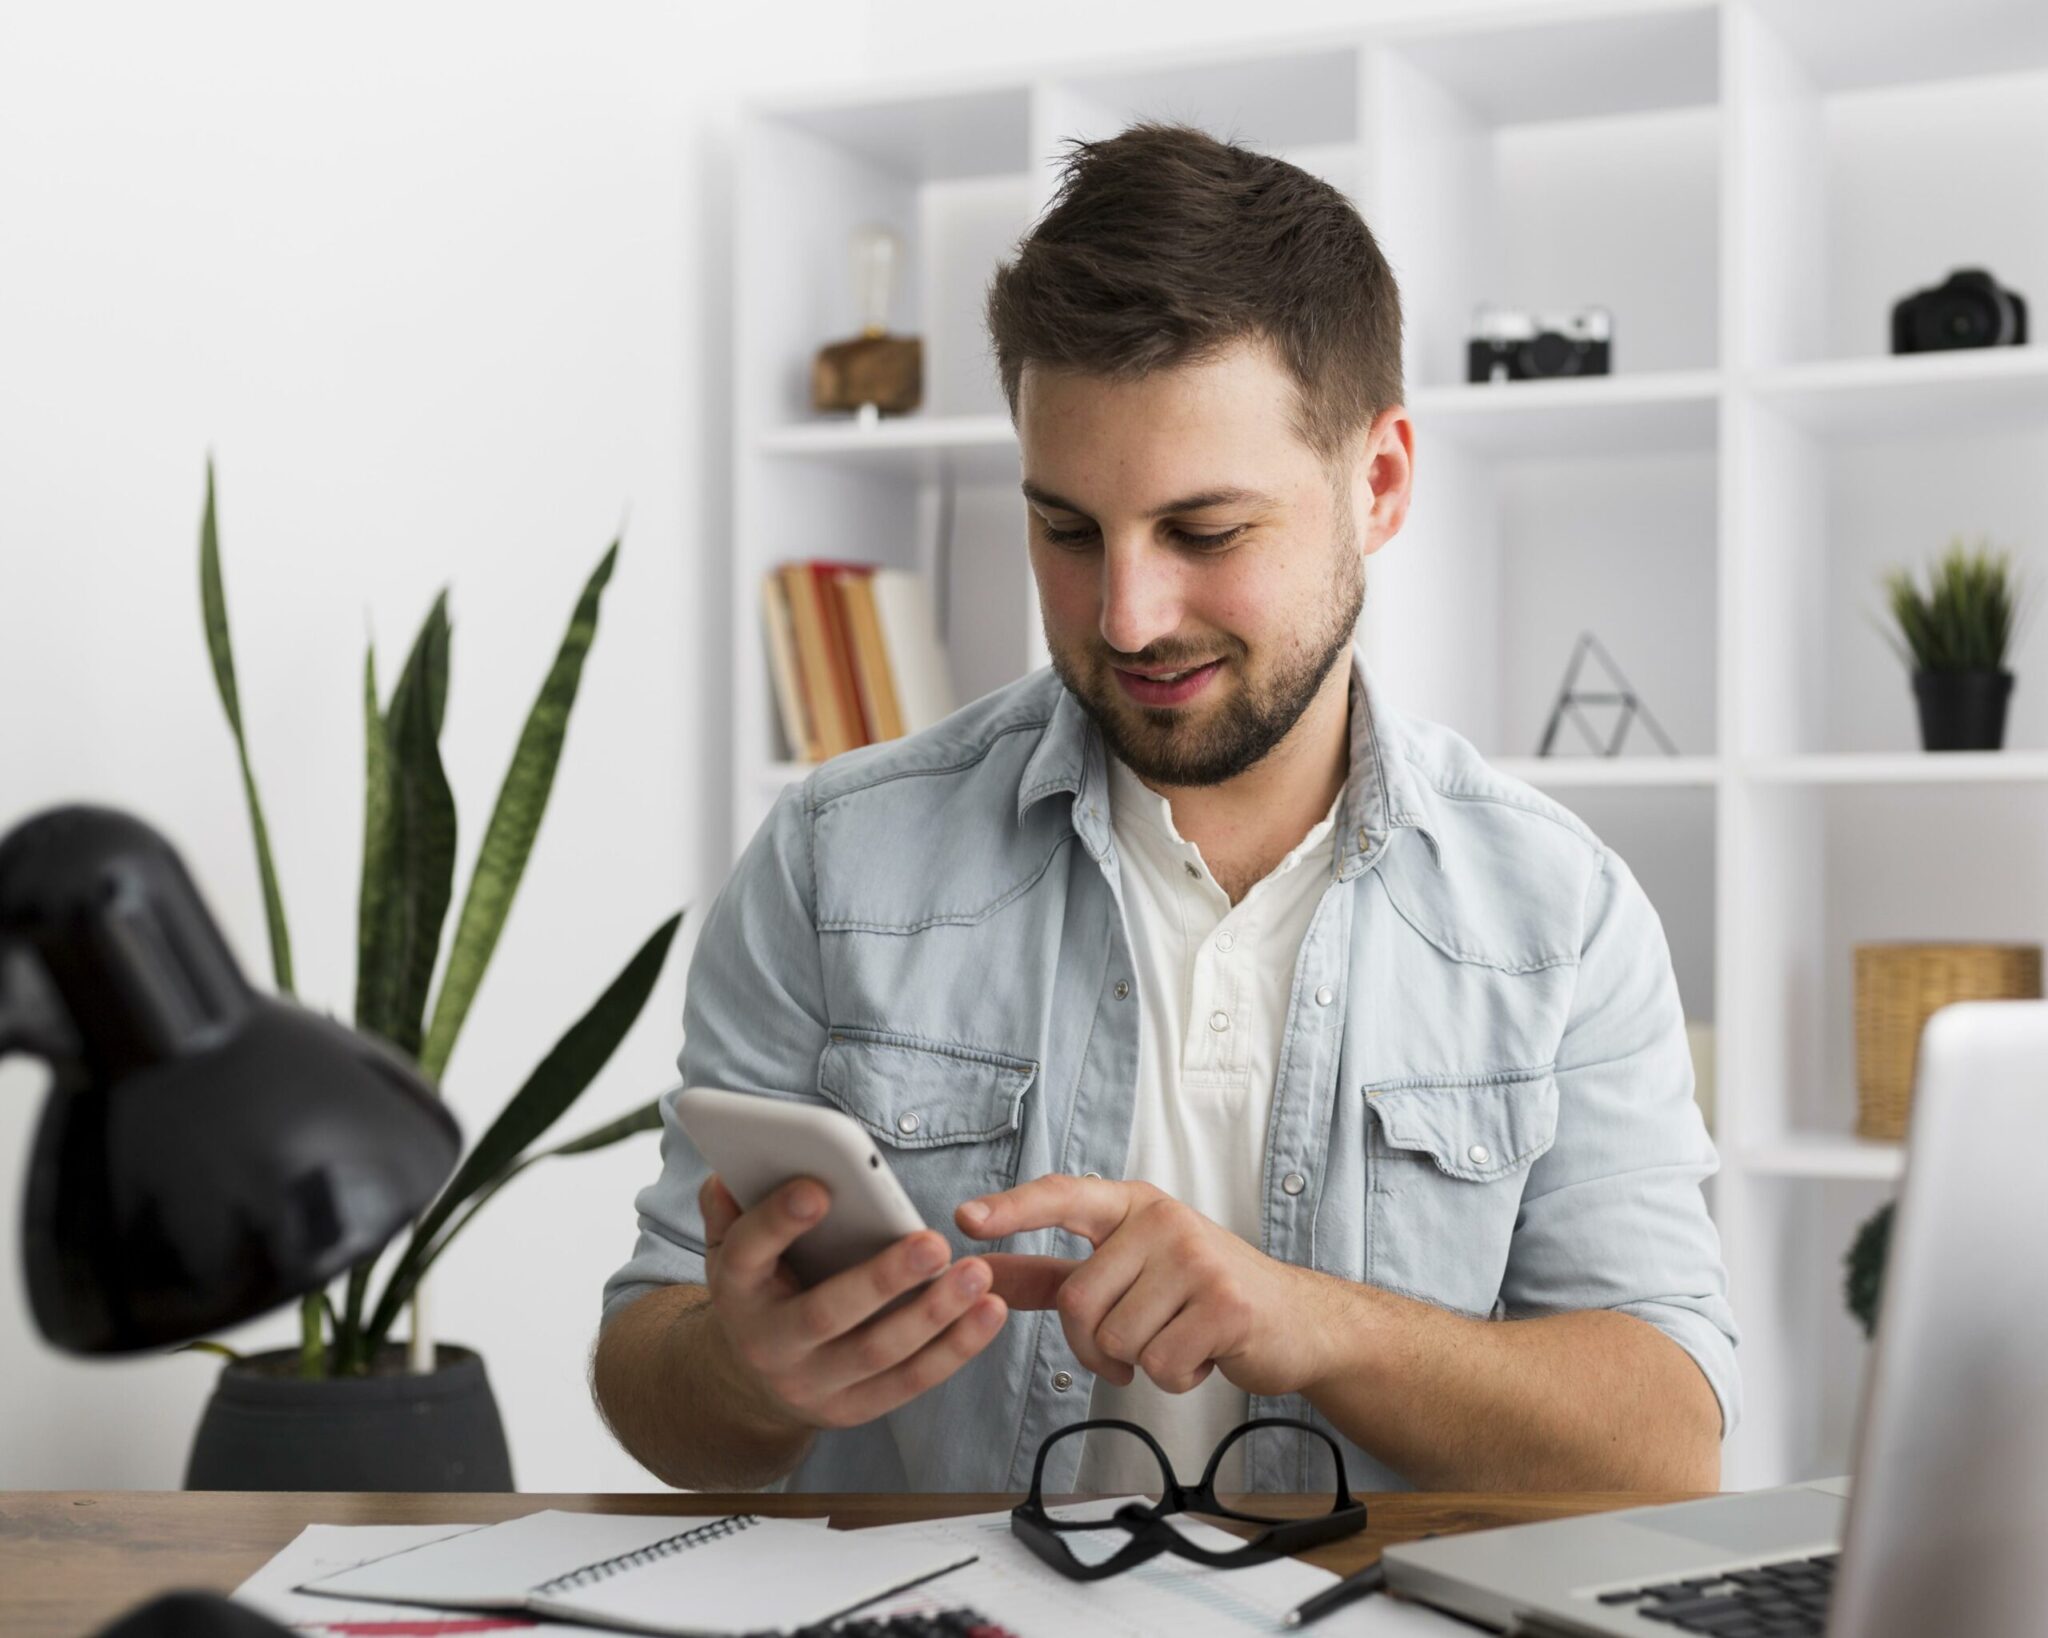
x=1967 y=309
x=1509 y=344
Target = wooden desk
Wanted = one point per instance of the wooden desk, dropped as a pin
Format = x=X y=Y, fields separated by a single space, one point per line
x=70 y=1561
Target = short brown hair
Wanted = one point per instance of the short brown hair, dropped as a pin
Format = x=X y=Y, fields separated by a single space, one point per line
x=1163 y=246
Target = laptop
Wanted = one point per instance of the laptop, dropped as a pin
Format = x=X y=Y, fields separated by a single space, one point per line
x=1947 y=1531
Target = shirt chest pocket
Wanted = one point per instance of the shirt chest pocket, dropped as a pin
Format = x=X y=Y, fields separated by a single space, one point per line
x=1448 y=1160
x=949 y=1120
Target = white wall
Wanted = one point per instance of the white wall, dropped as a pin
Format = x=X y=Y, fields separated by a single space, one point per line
x=443 y=289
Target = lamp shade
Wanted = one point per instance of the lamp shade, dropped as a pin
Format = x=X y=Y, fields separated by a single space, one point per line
x=205 y=1153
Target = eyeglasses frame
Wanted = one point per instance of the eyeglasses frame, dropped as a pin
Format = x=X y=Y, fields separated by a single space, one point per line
x=1151 y=1535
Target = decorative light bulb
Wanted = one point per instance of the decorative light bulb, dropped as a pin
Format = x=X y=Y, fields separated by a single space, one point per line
x=876 y=252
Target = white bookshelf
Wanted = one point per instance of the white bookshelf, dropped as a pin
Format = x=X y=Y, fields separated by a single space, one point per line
x=1748 y=185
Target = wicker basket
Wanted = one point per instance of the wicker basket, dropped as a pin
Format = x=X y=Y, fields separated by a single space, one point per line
x=1897 y=987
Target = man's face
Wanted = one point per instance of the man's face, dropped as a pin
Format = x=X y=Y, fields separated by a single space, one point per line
x=1177 y=524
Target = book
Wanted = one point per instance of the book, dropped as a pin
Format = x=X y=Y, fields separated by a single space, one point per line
x=816 y=666
x=917 y=659
x=871 y=667
x=839 y=646
x=659 y=1574
x=799 y=722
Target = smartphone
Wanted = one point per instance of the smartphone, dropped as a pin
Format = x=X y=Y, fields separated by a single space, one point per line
x=756 y=1144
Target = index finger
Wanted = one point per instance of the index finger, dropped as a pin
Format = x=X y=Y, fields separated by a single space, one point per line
x=1092 y=1207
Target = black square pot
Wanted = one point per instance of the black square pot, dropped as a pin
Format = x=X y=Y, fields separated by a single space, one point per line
x=1962 y=710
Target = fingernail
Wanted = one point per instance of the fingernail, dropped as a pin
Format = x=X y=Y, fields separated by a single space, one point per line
x=804 y=1204
x=973 y=1279
x=974 y=1213
x=928 y=1256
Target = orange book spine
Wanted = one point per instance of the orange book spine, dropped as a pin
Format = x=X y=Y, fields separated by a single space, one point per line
x=839 y=652
x=870 y=655
x=814 y=660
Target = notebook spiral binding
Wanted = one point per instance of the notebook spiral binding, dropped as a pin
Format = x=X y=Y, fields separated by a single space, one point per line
x=667 y=1546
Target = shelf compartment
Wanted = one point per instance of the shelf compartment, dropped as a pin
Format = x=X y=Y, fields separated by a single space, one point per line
x=1818 y=869
x=1472 y=612
x=1820 y=521
x=1598 y=185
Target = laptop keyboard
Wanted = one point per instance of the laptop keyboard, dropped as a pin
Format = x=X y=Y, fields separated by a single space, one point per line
x=1764 y=1602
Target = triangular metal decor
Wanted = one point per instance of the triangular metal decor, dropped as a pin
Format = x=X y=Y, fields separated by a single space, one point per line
x=1572 y=701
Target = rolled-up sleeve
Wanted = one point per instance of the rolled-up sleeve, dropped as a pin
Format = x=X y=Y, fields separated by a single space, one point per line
x=1613 y=1215
x=753 y=1021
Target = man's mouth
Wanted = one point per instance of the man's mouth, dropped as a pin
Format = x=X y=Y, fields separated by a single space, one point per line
x=1166 y=687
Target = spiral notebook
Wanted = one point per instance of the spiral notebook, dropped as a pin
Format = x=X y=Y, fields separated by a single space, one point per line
x=741 y=1574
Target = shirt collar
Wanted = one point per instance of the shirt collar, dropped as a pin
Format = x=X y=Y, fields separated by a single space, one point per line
x=1380 y=797
x=1144 y=819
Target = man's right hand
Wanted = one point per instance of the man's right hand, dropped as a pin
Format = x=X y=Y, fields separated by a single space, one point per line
x=828 y=1357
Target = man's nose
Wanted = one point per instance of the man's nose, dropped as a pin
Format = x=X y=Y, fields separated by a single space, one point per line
x=1140 y=595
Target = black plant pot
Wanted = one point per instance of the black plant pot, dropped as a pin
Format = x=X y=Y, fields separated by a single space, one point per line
x=265 y=1428
x=1962 y=710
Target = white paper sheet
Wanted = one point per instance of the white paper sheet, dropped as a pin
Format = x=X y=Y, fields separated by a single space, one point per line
x=1012 y=1587
x=324 y=1549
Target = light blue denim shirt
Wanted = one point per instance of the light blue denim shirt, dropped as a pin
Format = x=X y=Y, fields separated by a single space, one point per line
x=1493 y=1111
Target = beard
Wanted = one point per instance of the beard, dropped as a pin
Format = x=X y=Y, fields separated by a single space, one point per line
x=1168 y=745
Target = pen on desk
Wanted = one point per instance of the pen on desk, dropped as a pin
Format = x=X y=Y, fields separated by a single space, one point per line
x=1356 y=1585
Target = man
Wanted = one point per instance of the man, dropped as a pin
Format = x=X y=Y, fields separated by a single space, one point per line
x=1251 y=1048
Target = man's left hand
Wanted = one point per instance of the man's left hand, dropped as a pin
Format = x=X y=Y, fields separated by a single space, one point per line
x=1167 y=1291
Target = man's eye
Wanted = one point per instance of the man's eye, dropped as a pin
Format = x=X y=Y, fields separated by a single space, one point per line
x=1187 y=539
x=1064 y=537
x=1076 y=537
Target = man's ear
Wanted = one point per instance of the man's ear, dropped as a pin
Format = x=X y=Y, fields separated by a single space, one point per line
x=1383 y=477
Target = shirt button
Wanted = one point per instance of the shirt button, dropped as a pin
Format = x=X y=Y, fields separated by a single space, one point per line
x=1062 y=1381
x=1192 y=868
x=1096 y=1175
x=1226 y=941
x=1479 y=1154
x=1293 y=1183
x=906 y=1124
x=1219 y=1021
x=1325 y=996
x=1122 y=989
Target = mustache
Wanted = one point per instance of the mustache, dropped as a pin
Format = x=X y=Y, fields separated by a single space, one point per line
x=1158 y=655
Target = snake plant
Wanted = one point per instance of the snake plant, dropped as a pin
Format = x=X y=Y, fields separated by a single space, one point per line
x=407 y=885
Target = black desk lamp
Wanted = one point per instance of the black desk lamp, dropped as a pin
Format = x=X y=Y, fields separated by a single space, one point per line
x=206 y=1153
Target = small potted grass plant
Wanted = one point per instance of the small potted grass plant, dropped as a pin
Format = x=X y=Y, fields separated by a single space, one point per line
x=1955 y=636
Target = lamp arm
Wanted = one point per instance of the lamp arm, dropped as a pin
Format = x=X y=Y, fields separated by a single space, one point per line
x=33 y=1018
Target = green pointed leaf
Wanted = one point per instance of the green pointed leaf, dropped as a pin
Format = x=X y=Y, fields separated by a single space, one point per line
x=515 y=821
x=557 y=1081
x=376 y=923
x=214 y=609
x=420 y=866
x=647 y=1118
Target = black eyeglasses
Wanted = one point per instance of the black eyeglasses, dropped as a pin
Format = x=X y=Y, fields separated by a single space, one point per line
x=1149 y=1530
